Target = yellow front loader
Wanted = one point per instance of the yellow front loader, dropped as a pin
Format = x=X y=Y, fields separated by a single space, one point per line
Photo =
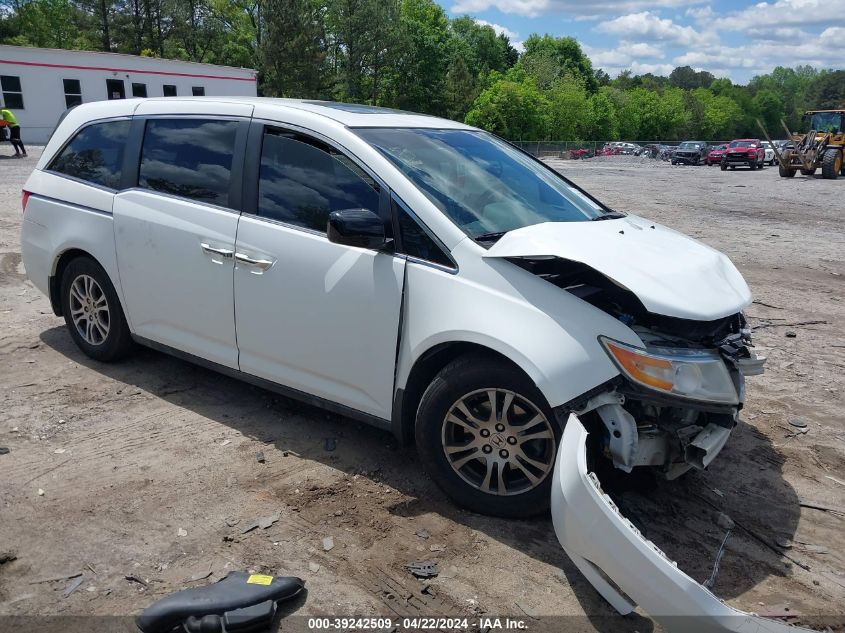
x=820 y=148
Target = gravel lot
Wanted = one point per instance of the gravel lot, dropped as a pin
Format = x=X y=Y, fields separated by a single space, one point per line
x=148 y=468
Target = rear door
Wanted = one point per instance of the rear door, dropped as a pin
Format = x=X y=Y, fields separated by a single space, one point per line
x=175 y=232
x=312 y=315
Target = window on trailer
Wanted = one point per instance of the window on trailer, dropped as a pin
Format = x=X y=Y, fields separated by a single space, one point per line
x=115 y=89
x=169 y=90
x=139 y=90
x=12 y=93
x=198 y=91
x=73 y=92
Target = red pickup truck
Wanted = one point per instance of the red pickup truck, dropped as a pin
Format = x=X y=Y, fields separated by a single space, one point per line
x=744 y=151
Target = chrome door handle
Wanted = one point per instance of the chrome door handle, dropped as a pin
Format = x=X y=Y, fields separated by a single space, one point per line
x=263 y=264
x=211 y=250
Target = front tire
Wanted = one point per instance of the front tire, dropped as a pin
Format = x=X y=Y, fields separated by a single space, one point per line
x=488 y=438
x=92 y=311
x=831 y=164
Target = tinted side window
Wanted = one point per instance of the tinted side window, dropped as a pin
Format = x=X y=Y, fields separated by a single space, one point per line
x=189 y=158
x=302 y=180
x=95 y=154
x=416 y=241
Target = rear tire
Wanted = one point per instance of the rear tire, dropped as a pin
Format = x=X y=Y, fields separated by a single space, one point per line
x=507 y=468
x=723 y=167
x=831 y=164
x=92 y=311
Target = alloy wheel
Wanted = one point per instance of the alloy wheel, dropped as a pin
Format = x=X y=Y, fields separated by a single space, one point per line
x=89 y=310
x=498 y=442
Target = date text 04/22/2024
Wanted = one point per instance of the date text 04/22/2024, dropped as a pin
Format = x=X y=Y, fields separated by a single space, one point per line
x=416 y=624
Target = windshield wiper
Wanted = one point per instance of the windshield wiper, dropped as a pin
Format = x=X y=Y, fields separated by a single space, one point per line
x=489 y=237
x=610 y=215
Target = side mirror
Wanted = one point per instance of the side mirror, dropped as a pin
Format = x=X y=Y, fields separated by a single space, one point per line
x=356 y=227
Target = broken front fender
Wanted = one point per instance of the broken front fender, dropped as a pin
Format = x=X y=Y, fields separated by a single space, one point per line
x=625 y=567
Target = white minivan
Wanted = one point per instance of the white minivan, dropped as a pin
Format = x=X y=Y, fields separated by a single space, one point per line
x=413 y=272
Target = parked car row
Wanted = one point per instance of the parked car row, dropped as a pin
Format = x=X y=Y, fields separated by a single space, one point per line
x=748 y=152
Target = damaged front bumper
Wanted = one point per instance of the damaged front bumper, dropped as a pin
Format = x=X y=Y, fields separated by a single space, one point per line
x=623 y=566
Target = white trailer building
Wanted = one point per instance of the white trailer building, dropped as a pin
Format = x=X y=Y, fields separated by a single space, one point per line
x=39 y=84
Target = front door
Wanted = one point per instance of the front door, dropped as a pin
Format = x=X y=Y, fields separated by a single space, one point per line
x=175 y=236
x=312 y=315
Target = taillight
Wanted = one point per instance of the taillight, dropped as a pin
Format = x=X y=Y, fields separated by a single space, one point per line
x=24 y=199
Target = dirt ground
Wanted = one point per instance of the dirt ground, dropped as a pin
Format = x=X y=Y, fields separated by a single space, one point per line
x=148 y=467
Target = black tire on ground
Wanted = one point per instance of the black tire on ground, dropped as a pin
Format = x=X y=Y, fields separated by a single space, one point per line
x=117 y=341
x=480 y=373
x=786 y=172
x=724 y=167
x=831 y=163
x=808 y=172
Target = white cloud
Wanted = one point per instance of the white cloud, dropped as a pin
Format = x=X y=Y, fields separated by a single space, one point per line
x=821 y=51
x=513 y=36
x=642 y=49
x=623 y=56
x=648 y=25
x=534 y=8
x=701 y=14
x=637 y=68
x=785 y=13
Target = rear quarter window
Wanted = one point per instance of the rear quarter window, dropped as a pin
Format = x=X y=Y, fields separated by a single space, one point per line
x=94 y=154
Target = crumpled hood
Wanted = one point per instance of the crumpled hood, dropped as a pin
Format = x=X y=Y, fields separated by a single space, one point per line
x=672 y=274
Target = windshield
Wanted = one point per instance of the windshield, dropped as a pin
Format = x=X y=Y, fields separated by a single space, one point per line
x=825 y=121
x=688 y=145
x=742 y=143
x=481 y=183
x=720 y=147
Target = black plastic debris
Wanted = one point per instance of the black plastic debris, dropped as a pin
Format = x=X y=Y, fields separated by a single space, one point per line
x=239 y=602
x=423 y=568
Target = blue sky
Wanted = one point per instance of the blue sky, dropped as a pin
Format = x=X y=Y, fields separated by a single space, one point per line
x=730 y=38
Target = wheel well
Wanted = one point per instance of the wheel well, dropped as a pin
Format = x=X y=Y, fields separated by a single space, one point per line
x=423 y=372
x=56 y=278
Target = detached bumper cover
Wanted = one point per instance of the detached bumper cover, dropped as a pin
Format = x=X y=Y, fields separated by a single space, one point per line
x=623 y=566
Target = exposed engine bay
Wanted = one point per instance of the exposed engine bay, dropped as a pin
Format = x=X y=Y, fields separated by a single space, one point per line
x=641 y=425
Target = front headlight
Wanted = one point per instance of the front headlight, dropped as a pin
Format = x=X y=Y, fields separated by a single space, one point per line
x=694 y=374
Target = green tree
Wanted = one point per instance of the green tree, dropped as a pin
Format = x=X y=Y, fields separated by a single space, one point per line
x=548 y=58
x=827 y=91
x=687 y=78
x=483 y=50
x=460 y=89
x=366 y=40
x=50 y=24
x=769 y=107
x=604 y=124
x=515 y=110
x=569 y=110
x=293 y=53
x=674 y=117
x=721 y=115
x=420 y=71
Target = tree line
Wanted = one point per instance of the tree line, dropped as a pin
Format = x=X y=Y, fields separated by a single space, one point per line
x=409 y=54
